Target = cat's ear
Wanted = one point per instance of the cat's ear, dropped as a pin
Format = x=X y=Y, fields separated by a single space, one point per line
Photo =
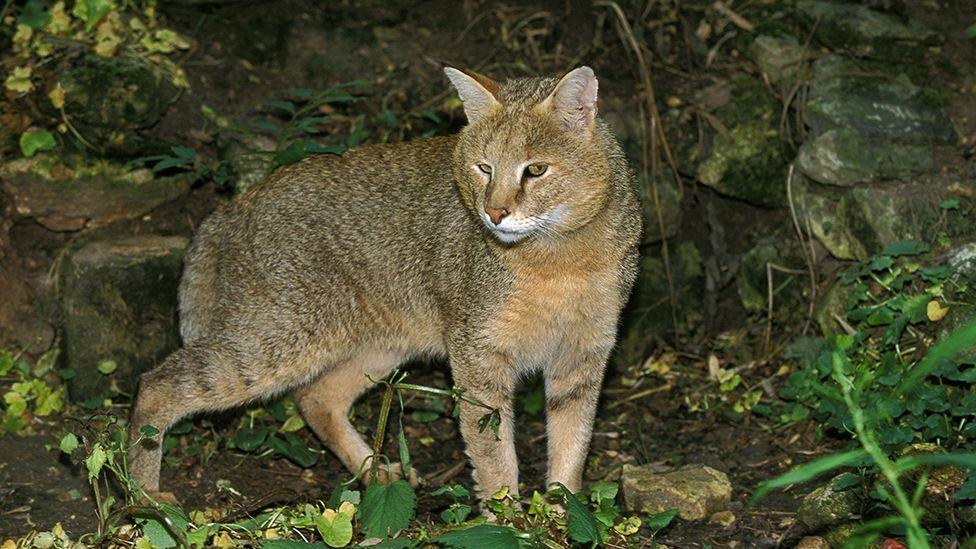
x=478 y=92
x=574 y=99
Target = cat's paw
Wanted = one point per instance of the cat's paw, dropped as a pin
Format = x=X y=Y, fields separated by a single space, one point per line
x=387 y=473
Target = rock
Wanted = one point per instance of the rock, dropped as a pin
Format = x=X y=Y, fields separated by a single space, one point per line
x=108 y=99
x=837 y=536
x=858 y=222
x=724 y=518
x=826 y=507
x=70 y=193
x=118 y=303
x=812 y=542
x=744 y=157
x=832 y=303
x=781 y=59
x=865 y=32
x=249 y=161
x=843 y=157
x=874 y=103
x=752 y=278
x=941 y=484
x=697 y=491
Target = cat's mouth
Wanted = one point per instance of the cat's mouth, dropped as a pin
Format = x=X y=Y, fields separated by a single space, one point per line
x=510 y=236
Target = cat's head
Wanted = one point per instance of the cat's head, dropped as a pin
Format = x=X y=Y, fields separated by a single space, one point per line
x=531 y=163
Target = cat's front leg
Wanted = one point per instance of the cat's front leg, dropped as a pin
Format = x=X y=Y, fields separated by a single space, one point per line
x=572 y=390
x=490 y=379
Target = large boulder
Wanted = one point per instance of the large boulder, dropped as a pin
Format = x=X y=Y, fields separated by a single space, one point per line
x=781 y=58
x=110 y=99
x=118 y=304
x=857 y=222
x=71 y=193
x=871 y=101
x=844 y=157
x=697 y=491
x=742 y=154
x=865 y=32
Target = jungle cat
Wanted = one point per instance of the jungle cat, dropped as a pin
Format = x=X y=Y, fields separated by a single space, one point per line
x=508 y=248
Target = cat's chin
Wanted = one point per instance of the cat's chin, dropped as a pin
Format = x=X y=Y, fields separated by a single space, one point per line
x=509 y=237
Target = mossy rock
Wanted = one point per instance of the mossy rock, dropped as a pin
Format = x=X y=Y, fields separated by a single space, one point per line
x=118 y=303
x=856 y=223
x=745 y=158
x=781 y=58
x=109 y=100
x=68 y=193
x=844 y=157
x=669 y=200
x=874 y=102
x=696 y=491
x=826 y=507
x=865 y=32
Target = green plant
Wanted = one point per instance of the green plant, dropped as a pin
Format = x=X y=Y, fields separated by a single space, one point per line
x=854 y=381
x=30 y=392
x=894 y=304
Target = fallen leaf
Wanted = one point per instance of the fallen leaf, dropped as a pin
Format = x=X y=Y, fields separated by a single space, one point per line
x=934 y=311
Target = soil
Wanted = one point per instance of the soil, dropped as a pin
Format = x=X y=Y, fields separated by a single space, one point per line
x=248 y=52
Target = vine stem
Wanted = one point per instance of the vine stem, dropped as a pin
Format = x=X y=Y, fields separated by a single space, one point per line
x=374 y=465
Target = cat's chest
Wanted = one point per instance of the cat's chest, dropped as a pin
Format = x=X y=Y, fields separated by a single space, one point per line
x=548 y=313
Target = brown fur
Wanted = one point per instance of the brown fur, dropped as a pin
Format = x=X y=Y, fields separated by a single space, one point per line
x=336 y=268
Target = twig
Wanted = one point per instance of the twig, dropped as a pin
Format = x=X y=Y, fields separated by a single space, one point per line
x=767 y=338
x=808 y=255
x=736 y=19
x=646 y=392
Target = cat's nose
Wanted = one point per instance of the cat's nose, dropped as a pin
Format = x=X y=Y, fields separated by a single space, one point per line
x=496 y=214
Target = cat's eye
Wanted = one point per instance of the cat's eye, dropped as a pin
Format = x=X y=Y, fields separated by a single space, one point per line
x=485 y=168
x=535 y=170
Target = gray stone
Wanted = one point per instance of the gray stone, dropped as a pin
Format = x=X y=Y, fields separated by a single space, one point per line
x=250 y=162
x=744 y=156
x=874 y=104
x=844 y=157
x=71 y=193
x=118 y=303
x=697 y=491
x=826 y=507
x=781 y=58
x=865 y=32
x=858 y=222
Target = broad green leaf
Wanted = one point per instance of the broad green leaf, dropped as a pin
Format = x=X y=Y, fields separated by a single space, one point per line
x=659 y=521
x=95 y=461
x=582 y=526
x=483 y=536
x=249 y=439
x=807 y=471
x=387 y=508
x=148 y=431
x=335 y=528
x=292 y=424
x=32 y=141
x=905 y=247
x=158 y=533
x=292 y=448
x=68 y=443
x=291 y=154
x=971 y=31
x=34 y=15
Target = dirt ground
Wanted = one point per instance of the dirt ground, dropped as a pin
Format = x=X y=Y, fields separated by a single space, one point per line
x=247 y=52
